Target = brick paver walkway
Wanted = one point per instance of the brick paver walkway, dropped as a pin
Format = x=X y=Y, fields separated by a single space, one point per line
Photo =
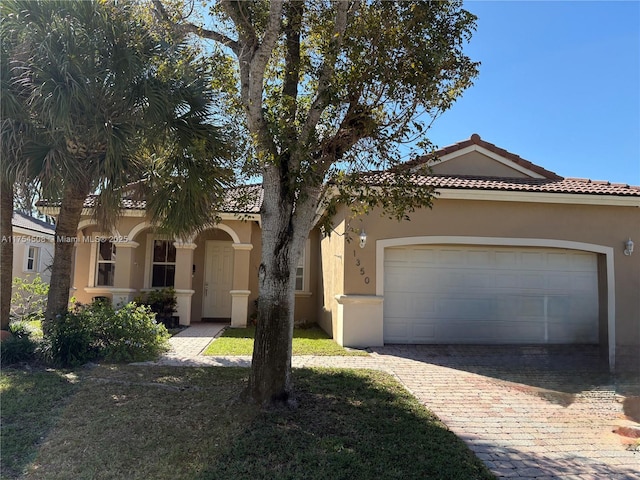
x=527 y=412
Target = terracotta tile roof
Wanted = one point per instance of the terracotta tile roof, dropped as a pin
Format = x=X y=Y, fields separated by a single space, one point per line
x=28 y=222
x=244 y=199
x=543 y=185
x=476 y=140
x=127 y=203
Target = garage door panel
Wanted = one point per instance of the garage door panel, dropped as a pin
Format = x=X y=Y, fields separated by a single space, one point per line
x=491 y=332
x=469 y=307
x=424 y=332
x=505 y=259
x=531 y=281
x=490 y=295
x=480 y=258
x=559 y=306
x=582 y=262
x=563 y=331
x=395 y=331
x=418 y=305
x=583 y=283
x=532 y=260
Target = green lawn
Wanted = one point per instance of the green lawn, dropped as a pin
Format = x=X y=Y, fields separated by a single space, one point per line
x=31 y=404
x=131 y=422
x=306 y=341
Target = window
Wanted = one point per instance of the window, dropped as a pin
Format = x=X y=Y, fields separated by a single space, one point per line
x=302 y=270
x=106 y=264
x=32 y=259
x=300 y=273
x=164 y=264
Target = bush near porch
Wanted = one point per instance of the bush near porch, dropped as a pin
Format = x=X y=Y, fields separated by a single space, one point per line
x=306 y=341
x=87 y=333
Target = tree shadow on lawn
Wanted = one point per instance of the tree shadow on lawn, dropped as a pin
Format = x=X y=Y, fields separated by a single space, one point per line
x=349 y=425
x=557 y=373
x=173 y=423
x=32 y=401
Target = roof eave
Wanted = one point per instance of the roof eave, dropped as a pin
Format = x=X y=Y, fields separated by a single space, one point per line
x=538 y=197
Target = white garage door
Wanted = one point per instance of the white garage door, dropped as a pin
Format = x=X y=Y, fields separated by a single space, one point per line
x=469 y=294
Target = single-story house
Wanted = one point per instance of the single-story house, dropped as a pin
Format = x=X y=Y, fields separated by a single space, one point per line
x=511 y=253
x=33 y=247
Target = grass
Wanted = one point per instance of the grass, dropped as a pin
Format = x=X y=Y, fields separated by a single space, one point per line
x=188 y=424
x=306 y=341
x=31 y=404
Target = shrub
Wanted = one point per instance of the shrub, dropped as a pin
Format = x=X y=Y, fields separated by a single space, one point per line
x=134 y=335
x=29 y=298
x=162 y=302
x=21 y=347
x=98 y=331
x=71 y=337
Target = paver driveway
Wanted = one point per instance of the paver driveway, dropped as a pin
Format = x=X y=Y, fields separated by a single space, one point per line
x=527 y=412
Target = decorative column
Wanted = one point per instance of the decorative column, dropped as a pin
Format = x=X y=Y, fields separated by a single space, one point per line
x=240 y=292
x=183 y=280
x=360 y=321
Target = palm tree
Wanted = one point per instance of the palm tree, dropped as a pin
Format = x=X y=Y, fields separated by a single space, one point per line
x=14 y=131
x=108 y=98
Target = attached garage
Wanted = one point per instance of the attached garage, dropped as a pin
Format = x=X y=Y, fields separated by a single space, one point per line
x=490 y=295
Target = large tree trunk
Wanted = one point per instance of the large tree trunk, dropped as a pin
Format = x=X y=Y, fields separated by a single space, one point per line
x=283 y=235
x=6 y=252
x=73 y=199
x=270 y=379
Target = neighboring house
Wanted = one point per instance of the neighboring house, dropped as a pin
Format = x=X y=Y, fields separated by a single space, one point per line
x=33 y=247
x=510 y=254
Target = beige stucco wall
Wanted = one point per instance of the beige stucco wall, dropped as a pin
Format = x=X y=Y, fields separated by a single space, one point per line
x=475 y=163
x=244 y=234
x=331 y=275
x=605 y=226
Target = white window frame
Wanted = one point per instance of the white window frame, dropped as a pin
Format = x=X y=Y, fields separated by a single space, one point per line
x=148 y=272
x=98 y=262
x=35 y=260
x=305 y=264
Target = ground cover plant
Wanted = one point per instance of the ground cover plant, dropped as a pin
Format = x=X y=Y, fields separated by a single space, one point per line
x=187 y=423
x=306 y=341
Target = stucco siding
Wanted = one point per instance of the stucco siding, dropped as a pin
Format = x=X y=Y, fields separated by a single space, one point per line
x=604 y=226
x=332 y=277
x=475 y=163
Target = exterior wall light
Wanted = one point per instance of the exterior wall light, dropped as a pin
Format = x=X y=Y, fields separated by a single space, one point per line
x=628 y=247
x=363 y=238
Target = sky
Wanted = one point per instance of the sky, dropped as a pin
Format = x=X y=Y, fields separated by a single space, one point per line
x=559 y=85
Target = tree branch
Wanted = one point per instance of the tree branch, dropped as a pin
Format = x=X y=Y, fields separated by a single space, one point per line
x=212 y=35
x=188 y=27
x=292 y=30
x=253 y=58
x=243 y=24
x=327 y=70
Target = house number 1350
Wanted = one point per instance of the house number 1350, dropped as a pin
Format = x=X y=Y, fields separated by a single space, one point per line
x=362 y=272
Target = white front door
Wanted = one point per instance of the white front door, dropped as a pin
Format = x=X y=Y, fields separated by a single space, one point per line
x=218 y=279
